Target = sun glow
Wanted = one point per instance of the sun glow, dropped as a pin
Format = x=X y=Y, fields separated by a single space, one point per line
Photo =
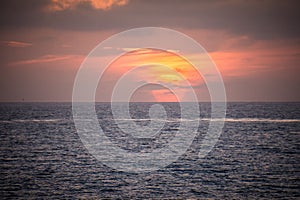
x=163 y=67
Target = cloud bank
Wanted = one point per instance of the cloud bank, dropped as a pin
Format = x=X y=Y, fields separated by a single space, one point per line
x=258 y=19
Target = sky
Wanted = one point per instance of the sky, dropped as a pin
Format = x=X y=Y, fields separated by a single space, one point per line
x=255 y=45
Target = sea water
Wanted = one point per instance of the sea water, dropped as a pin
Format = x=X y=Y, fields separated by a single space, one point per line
x=256 y=156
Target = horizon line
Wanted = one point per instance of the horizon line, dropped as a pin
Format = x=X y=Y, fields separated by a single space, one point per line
x=152 y=102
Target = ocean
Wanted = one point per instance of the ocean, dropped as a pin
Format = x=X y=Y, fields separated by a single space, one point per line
x=256 y=157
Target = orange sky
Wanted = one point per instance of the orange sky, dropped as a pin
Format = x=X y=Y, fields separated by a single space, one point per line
x=257 y=50
x=181 y=70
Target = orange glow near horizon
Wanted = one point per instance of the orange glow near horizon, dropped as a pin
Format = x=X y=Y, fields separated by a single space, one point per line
x=178 y=72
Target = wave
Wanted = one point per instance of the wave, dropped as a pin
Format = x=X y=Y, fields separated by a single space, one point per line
x=30 y=120
x=220 y=119
x=254 y=120
x=244 y=120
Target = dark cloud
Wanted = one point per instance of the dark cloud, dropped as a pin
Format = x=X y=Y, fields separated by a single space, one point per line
x=267 y=19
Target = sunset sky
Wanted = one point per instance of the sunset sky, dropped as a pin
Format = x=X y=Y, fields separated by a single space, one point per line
x=255 y=45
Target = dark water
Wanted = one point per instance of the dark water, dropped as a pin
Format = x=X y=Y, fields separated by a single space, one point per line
x=257 y=155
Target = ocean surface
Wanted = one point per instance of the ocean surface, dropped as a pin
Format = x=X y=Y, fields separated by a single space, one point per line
x=256 y=157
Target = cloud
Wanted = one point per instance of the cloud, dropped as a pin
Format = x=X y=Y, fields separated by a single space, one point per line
x=124 y=49
x=60 y=5
x=107 y=4
x=17 y=44
x=44 y=59
x=258 y=19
